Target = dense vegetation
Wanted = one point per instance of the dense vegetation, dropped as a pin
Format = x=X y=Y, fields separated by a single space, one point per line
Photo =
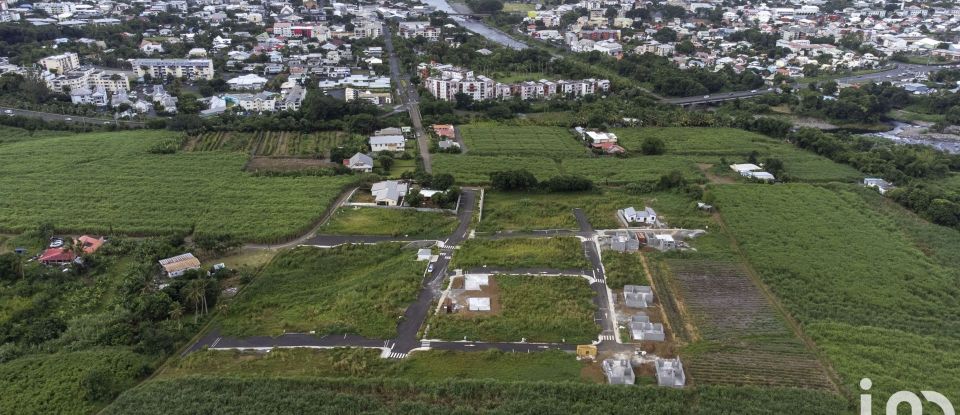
x=350 y=289
x=125 y=183
x=521 y=253
x=258 y=396
x=535 y=308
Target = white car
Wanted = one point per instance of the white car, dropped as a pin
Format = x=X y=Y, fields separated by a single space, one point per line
x=8 y=111
x=706 y=96
x=56 y=243
x=753 y=91
x=69 y=119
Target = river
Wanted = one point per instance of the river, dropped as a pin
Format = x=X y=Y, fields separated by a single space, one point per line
x=901 y=135
x=476 y=26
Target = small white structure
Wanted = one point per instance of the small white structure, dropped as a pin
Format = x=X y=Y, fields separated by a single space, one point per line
x=178 y=265
x=670 y=373
x=645 y=216
x=752 y=171
x=637 y=296
x=881 y=185
x=618 y=371
x=475 y=282
x=478 y=303
x=761 y=175
x=424 y=254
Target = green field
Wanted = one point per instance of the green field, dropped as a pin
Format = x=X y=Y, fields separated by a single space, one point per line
x=243 y=396
x=537 y=308
x=350 y=289
x=111 y=182
x=13 y=135
x=424 y=365
x=389 y=222
x=271 y=143
x=623 y=268
x=859 y=281
x=537 y=211
x=709 y=145
x=491 y=139
x=516 y=253
x=475 y=169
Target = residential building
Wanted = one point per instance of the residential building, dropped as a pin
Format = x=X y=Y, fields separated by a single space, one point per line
x=409 y=30
x=191 y=69
x=646 y=216
x=178 y=265
x=642 y=329
x=389 y=192
x=637 y=296
x=60 y=63
x=248 y=82
x=387 y=143
x=359 y=162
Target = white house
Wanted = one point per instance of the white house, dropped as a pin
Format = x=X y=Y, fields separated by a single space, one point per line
x=389 y=192
x=248 y=82
x=645 y=216
x=387 y=143
x=176 y=266
x=359 y=162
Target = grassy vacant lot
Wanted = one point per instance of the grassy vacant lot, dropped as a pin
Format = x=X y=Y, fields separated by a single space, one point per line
x=349 y=289
x=857 y=281
x=110 y=182
x=271 y=143
x=624 y=268
x=709 y=145
x=428 y=365
x=516 y=253
x=530 y=211
x=390 y=222
x=491 y=139
x=67 y=383
x=475 y=169
x=540 y=309
x=249 y=396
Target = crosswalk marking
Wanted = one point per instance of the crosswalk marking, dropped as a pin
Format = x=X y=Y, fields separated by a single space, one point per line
x=607 y=337
x=425 y=343
x=397 y=355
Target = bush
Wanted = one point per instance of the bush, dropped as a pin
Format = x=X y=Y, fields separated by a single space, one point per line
x=653 y=146
x=513 y=180
x=568 y=183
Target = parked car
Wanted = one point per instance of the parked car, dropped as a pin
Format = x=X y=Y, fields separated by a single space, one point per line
x=430 y=268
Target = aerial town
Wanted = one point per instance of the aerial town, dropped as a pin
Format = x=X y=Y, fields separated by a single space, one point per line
x=479 y=207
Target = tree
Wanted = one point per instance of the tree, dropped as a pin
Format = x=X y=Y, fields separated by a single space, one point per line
x=829 y=88
x=386 y=161
x=442 y=181
x=196 y=293
x=176 y=313
x=665 y=35
x=509 y=180
x=652 y=146
x=414 y=199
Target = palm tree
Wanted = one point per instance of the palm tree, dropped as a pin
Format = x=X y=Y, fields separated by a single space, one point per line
x=196 y=293
x=76 y=248
x=176 y=313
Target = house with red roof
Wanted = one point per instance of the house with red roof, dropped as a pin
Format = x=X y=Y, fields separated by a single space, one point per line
x=64 y=255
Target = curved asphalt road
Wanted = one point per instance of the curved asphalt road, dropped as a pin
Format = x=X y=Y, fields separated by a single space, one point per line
x=49 y=116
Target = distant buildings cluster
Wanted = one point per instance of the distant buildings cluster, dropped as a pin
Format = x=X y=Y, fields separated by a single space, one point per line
x=446 y=81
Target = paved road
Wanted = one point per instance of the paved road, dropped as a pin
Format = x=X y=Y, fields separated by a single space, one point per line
x=407 y=93
x=215 y=341
x=506 y=347
x=605 y=317
x=303 y=239
x=327 y=241
x=898 y=72
x=49 y=116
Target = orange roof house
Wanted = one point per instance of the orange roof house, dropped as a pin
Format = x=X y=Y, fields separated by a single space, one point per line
x=65 y=255
x=444 y=130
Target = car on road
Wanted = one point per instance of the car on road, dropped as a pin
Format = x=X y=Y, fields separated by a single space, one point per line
x=753 y=91
x=69 y=119
x=430 y=268
x=706 y=96
x=8 y=111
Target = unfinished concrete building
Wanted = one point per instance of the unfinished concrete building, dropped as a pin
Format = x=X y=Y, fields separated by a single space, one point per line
x=642 y=329
x=618 y=371
x=637 y=296
x=670 y=373
x=661 y=242
x=624 y=241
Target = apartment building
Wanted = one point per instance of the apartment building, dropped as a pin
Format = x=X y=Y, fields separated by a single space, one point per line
x=60 y=63
x=192 y=69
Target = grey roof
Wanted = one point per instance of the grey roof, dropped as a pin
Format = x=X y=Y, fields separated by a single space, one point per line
x=386 y=139
x=360 y=159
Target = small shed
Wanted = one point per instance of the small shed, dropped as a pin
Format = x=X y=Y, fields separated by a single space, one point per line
x=424 y=254
x=586 y=351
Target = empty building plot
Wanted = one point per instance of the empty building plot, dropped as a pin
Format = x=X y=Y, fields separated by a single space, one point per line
x=757 y=347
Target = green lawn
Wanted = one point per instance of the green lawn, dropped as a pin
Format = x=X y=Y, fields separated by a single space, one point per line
x=533 y=211
x=426 y=365
x=111 y=182
x=867 y=293
x=540 y=309
x=389 y=222
x=709 y=145
x=350 y=289
x=515 y=253
x=492 y=139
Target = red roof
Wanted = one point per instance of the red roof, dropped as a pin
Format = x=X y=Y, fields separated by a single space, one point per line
x=56 y=255
x=91 y=244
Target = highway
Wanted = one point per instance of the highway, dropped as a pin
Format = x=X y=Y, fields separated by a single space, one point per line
x=900 y=71
x=49 y=116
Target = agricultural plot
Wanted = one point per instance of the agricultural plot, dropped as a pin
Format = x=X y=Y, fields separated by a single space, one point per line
x=745 y=340
x=271 y=143
x=13 y=135
x=474 y=169
x=615 y=171
x=521 y=253
x=537 y=211
x=536 y=308
x=491 y=139
x=389 y=222
x=837 y=264
x=111 y=183
x=205 y=394
x=349 y=289
x=709 y=145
